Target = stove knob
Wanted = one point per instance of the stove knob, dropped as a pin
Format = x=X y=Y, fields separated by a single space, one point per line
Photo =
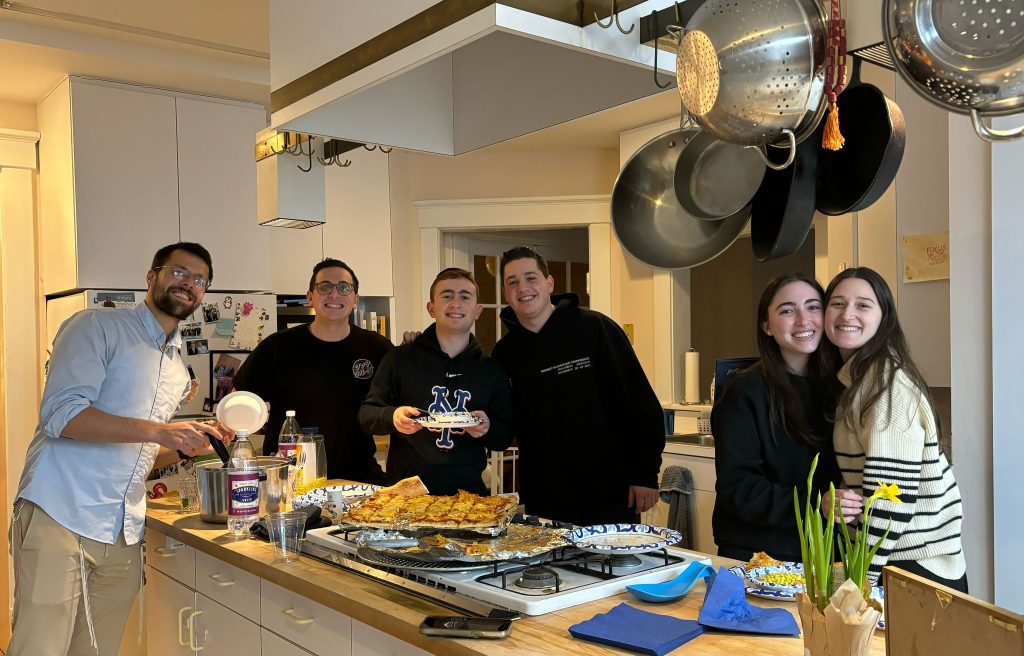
x=518 y=518
x=533 y=520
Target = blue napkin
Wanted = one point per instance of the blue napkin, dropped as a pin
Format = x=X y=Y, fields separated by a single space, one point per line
x=637 y=630
x=726 y=607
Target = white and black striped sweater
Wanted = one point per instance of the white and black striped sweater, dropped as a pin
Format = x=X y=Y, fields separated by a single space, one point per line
x=903 y=449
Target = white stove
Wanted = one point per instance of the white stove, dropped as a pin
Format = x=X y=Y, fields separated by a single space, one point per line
x=561 y=578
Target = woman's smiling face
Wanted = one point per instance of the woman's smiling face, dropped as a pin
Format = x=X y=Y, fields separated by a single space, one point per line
x=852 y=316
x=794 y=322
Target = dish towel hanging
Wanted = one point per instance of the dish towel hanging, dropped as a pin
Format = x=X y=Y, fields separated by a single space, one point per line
x=677 y=491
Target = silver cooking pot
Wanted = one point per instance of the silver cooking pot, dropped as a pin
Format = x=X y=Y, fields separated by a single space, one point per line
x=275 y=492
x=753 y=73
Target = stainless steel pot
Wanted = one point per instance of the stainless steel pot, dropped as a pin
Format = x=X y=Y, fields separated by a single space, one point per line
x=275 y=493
x=751 y=72
x=967 y=56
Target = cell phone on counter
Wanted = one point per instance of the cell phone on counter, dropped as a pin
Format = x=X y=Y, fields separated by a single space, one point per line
x=465 y=627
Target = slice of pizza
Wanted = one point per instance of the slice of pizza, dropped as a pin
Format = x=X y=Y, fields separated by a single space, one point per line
x=407 y=487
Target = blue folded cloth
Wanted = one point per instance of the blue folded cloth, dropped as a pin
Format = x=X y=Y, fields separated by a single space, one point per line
x=637 y=630
x=726 y=607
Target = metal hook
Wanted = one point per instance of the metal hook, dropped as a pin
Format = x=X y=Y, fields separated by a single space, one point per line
x=326 y=162
x=386 y=150
x=611 y=18
x=337 y=160
x=654 y=17
x=370 y=147
x=310 y=154
x=618 y=24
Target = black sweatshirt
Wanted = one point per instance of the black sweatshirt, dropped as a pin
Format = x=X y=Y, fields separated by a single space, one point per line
x=587 y=422
x=757 y=471
x=422 y=375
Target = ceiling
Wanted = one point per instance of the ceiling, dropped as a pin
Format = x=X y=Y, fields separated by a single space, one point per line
x=217 y=48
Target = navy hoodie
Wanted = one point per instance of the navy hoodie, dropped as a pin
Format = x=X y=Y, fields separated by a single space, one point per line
x=587 y=421
x=422 y=375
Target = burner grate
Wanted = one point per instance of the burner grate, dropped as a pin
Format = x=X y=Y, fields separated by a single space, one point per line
x=374 y=557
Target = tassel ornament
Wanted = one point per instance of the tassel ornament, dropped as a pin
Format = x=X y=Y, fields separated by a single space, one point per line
x=832 y=138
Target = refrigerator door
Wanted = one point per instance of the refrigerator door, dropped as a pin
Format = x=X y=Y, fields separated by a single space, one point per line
x=218 y=337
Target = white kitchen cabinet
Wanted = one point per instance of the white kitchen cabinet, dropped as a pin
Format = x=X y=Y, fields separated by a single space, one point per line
x=108 y=184
x=275 y=645
x=358 y=227
x=169 y=615
x=368 y=641
x=125 y=170
x=308 y=624
x=217 y=189
x=700 y=461
x=218 y=631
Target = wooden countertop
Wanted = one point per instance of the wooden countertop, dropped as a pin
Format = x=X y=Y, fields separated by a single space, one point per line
x=399 y=613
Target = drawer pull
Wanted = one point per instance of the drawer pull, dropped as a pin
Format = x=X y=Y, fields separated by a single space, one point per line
x=290 y=614
x=181 y=624
x=166 y=552
x=221 y=580
x=192 y=643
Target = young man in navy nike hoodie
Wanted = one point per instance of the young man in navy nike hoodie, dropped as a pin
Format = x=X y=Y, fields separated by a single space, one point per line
x=442 y=370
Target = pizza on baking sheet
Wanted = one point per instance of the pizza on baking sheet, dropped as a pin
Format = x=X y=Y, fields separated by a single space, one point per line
x=464 y=510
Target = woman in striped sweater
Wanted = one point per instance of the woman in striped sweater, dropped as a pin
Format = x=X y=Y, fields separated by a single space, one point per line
x=886 y=431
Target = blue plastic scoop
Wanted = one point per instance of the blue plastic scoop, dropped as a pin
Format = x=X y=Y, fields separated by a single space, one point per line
x=674 y=588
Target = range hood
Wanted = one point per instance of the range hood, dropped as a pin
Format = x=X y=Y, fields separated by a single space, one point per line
x=289 y=194
x=457 y=76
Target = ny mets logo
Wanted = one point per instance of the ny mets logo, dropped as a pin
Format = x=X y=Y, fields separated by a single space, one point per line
x=441 y=405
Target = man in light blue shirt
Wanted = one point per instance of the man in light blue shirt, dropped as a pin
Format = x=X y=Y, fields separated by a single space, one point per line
x=116 y=378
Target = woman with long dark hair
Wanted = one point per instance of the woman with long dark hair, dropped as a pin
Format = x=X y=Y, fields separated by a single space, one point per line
x=887 y=431
x=769 y=425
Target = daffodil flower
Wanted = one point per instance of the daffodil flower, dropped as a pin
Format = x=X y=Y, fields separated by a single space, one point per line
x=889 y=492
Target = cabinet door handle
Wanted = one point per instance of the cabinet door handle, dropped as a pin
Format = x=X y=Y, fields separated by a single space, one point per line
x=192 y=644
x=221 y=580
x=290 y=614
x=181 y=623
x=166 y=552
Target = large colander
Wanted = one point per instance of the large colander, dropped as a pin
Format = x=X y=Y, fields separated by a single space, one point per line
x=752 y=71
x=967 y=56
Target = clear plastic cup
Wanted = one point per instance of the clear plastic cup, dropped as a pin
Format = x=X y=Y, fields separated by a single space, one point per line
x=286 y=532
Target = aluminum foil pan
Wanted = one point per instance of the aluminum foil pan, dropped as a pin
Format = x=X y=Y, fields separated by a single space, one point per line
x=519 y=541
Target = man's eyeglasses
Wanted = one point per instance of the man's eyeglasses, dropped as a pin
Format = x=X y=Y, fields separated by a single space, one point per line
x=344 y=288
x=182 y=274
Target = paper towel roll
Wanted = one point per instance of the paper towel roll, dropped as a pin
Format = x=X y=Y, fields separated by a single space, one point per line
x=691 y=372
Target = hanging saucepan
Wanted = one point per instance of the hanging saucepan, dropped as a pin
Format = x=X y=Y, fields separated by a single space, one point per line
x=649 y=221
x=715 y=179
x=857 y=175
x=965 y=56
x=782 y=211
x=752 y=73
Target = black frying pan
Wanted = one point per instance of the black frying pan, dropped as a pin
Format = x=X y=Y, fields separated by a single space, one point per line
x=854 y=177
x=782 y=211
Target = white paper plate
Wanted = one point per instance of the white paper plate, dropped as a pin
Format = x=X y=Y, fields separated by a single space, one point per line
x=622 y=538
x=242 y=411
x=318 y=497
x=457 y=420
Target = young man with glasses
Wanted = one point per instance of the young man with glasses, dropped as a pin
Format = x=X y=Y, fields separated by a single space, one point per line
x=584 y=407
x=322 y=371
x=443 y=371
x=116 y=378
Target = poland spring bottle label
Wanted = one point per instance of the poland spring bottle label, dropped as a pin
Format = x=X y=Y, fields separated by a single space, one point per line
x=244 y=493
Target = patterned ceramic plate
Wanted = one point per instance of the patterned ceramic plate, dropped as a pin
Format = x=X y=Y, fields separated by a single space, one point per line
x=447 y=420
x=776 y=577
x=622 y=538
x=318 y=497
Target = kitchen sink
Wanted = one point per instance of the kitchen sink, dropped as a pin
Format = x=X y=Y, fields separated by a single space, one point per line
x=697 y=439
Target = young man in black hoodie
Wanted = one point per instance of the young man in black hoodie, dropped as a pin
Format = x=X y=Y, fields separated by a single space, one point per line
x=442 y=370
x=589 y=427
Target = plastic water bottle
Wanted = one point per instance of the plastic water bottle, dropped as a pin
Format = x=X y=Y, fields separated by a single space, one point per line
x=243 y=486
x=288 y=435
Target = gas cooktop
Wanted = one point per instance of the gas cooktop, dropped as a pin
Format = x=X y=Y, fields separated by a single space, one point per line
x=560 y=578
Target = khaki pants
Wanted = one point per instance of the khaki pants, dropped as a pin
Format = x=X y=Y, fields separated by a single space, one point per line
x=50 y=611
